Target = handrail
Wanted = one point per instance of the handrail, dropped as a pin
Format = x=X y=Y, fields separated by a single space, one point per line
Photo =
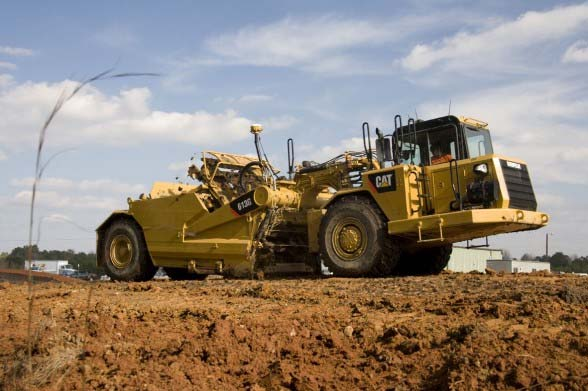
x=456 y=192
x=412 y=138
x=399 y=132
x=365 y=127
x=290 y=146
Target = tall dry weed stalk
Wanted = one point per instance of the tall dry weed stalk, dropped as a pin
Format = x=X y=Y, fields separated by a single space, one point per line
x=64 y=97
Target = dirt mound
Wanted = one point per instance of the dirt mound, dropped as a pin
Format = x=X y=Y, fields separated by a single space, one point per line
x=21 y=276
x=453 y=331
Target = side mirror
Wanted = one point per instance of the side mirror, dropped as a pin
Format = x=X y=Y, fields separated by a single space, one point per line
x=384 y=149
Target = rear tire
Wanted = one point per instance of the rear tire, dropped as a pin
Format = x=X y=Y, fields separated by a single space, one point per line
x=177 y=274
x=125 y=254
x=354 y=241
x=428 y=261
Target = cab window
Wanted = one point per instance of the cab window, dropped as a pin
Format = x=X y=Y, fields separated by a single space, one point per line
x=442 y=146
x=407 y=150
x=479 y=142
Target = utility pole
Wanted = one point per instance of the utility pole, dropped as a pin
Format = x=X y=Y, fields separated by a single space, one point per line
x=547 y=244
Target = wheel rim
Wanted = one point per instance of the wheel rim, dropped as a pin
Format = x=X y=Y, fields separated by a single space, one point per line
x=349 y=239
x=121 y=251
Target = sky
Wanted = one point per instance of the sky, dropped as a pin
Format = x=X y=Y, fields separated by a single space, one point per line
x=313 y=71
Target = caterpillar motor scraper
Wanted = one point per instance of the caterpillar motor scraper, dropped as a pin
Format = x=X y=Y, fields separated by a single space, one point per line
x=394 y=210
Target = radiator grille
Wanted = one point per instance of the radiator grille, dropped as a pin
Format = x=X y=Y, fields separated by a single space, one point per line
x=518 y=184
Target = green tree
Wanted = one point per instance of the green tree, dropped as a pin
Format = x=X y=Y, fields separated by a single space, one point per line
x=579 y=265
x=560 y=261
x=16 y=258
x=86 y=261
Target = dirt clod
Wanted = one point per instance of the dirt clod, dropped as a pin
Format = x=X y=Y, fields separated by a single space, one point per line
x=348 y=331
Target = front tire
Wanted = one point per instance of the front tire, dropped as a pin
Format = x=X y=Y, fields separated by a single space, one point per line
x=428 y=261
x=126 y=257
x=354 y=241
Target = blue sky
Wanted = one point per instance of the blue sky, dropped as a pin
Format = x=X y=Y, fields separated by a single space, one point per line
x=308 y=70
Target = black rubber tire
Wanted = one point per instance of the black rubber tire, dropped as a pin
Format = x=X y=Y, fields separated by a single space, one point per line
x=177 y=274
x=140 y=267
x=381 y=254
x=428 y=261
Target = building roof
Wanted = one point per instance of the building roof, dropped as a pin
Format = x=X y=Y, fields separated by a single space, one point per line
x=48 y=260
x=518 y=260
x=479 y=248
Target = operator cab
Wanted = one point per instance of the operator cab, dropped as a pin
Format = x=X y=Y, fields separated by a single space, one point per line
x=438 y=140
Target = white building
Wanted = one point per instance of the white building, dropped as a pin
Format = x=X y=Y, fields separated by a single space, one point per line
x=518 y=266
x=465 y=259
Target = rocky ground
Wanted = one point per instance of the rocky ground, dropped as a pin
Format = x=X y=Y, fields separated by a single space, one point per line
x=447 y=332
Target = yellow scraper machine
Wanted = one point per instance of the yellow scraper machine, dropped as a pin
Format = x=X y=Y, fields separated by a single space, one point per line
x=395 y=210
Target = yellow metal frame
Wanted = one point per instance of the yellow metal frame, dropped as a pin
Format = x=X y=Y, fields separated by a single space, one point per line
x=209 y=228
x=462 y=225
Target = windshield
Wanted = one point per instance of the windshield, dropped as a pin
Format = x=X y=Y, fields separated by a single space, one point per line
x=410 y=153
x=479 y=142
x=432 y=147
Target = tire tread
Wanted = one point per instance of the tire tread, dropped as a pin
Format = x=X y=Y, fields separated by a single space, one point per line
x=390 y=251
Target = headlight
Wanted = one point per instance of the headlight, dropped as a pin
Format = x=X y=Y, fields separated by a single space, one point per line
x=481 y=169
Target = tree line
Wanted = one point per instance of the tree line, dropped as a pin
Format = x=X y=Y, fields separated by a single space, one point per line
x=561 y=262
x=17 y=257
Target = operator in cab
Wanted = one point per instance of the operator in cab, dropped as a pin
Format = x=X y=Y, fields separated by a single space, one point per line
x=440 y=153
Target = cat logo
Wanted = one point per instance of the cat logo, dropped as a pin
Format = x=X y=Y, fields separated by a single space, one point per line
x=383 y=182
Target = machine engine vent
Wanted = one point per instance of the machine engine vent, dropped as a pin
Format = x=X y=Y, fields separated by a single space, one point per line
x=518 y=184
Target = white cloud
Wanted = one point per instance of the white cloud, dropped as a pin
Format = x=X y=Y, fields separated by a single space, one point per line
x=578 y=52
x=60 y=183
x=57 y=217
x=501 y=45
x=540 y=122
x=319 y=44
x=81 y=203
x=255 y=98
x=54 y=199
x=95 y=185
x=63 y=193
x=61 y=218
x=92 y=116
x=3 y=155
x=5 y=80
x=116 y=37
x=179 y=166
x=293 y=41
x=15 y=52
x=279 y=122
x=7 y=65
x=326 y=152
x=109 y=186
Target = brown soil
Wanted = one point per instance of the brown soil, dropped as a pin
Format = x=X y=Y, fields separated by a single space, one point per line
x=22 y=276
x=452 y=332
